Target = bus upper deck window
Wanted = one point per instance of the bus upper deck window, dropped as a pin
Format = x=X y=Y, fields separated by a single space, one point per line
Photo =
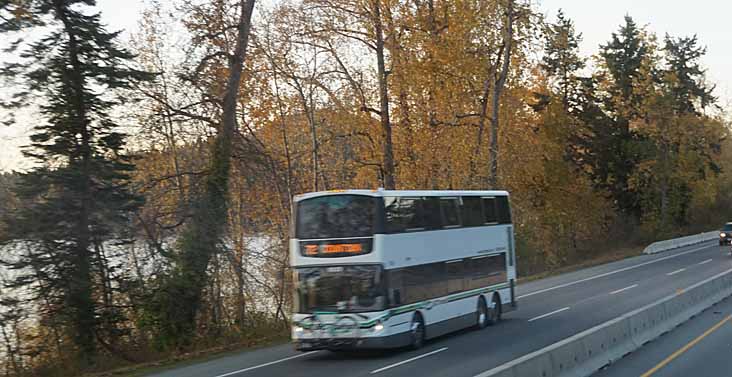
x=490 y=210
x=403 y=214
x=336 y=216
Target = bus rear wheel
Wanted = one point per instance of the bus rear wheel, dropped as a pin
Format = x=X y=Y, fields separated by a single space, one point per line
x=417 y=332
x=482 y=314
x=494 y=313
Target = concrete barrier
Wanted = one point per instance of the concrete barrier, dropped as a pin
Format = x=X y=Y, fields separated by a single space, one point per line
x=585 y=353
x=666 y=245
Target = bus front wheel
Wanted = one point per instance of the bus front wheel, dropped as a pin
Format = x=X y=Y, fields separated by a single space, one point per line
x=417 y=331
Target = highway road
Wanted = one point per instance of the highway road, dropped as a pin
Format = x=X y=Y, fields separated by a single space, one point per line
x=550 y=310
x=701 y=347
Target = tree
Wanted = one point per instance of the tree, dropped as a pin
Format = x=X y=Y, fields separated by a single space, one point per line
x=507 y=48
x=684 y=76
x=7 y=198
x=362 y=22
x=388 y=152
x=201 y=240
x=78 y=198
x=562 y=61
x=683 y=142
x=566 y=104
x=627 y=65
x=623 y=58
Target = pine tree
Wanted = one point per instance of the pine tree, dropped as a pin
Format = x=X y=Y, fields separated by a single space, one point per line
x=684 y=76
x=77 y=199
x=615 y=146
x=681 y=134
x=562 y=60
x=623 y=57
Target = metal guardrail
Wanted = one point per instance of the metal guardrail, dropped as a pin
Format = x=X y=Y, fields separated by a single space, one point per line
x=585 y=353
x=666 y=245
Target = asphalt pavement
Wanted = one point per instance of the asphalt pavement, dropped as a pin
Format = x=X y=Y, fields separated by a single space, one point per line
x=701 y=347
x=550 y=310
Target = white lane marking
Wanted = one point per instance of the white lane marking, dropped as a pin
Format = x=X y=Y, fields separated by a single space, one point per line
x=706 y=261
x=408 y=360
x=501 y=369
x=676 y=272
x=266 y=364
x=611 y=272
x=623 y=289
x=548 y=314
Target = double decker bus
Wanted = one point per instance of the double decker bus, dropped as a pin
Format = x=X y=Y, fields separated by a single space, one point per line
x=384 y=269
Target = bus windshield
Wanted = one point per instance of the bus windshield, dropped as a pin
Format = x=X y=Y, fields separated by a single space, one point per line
x=336 y=216
x=342 y=289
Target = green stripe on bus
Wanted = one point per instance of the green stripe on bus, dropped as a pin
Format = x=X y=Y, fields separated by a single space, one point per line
x=417 y=305
x=475 y=292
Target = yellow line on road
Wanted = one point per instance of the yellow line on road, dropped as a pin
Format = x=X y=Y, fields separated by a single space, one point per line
x=686 y=347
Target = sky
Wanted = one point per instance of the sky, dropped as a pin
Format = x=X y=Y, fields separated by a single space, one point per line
x=118 y=15
x=708 y=19
x=595 y=19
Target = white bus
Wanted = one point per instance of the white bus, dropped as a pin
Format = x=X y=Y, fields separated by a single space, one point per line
x=383 y=269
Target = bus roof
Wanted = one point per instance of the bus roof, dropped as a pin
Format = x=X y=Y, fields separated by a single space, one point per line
x=382 y=192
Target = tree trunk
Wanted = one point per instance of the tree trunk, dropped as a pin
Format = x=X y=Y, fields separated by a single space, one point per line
x=388 y=150
x=396 y=52
x=314 y=136
x=490 y=75
x=199 y=242
x=285 y=147
x=435 y=163
x=79 y=298
x=47 y=301
x=665 y=172
x=308 y=107
x=497 y=91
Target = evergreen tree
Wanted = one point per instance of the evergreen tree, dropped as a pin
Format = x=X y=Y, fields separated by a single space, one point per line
x=615 y=147
x=77 y=198
x=562 y=61
x=684 y=77
x=685 y=148
x=623 y=57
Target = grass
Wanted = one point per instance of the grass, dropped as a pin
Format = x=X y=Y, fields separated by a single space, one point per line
x=190 y=358
x=604 y=258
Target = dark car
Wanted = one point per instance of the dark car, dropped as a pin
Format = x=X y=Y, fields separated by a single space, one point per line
x=725 y=235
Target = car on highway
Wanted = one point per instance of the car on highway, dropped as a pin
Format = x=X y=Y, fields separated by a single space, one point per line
x=725 y=235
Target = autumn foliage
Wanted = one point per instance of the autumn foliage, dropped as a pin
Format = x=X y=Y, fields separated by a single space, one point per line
x=599 y=153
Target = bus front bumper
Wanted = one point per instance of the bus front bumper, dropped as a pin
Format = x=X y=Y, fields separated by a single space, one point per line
x=381 y=342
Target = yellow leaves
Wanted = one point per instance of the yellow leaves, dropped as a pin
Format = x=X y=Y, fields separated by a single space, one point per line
x=20 y=11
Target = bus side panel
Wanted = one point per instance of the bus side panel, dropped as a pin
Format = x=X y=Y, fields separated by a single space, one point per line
x=506 y=300
x=294 y=250
x=408 y=249
x=509 y=300
x=400 y=323
x=511 y=242
x=439 y=319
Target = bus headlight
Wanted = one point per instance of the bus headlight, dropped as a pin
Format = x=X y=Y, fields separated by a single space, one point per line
x=722 y=235
x=297 y=330
x=379 y=326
